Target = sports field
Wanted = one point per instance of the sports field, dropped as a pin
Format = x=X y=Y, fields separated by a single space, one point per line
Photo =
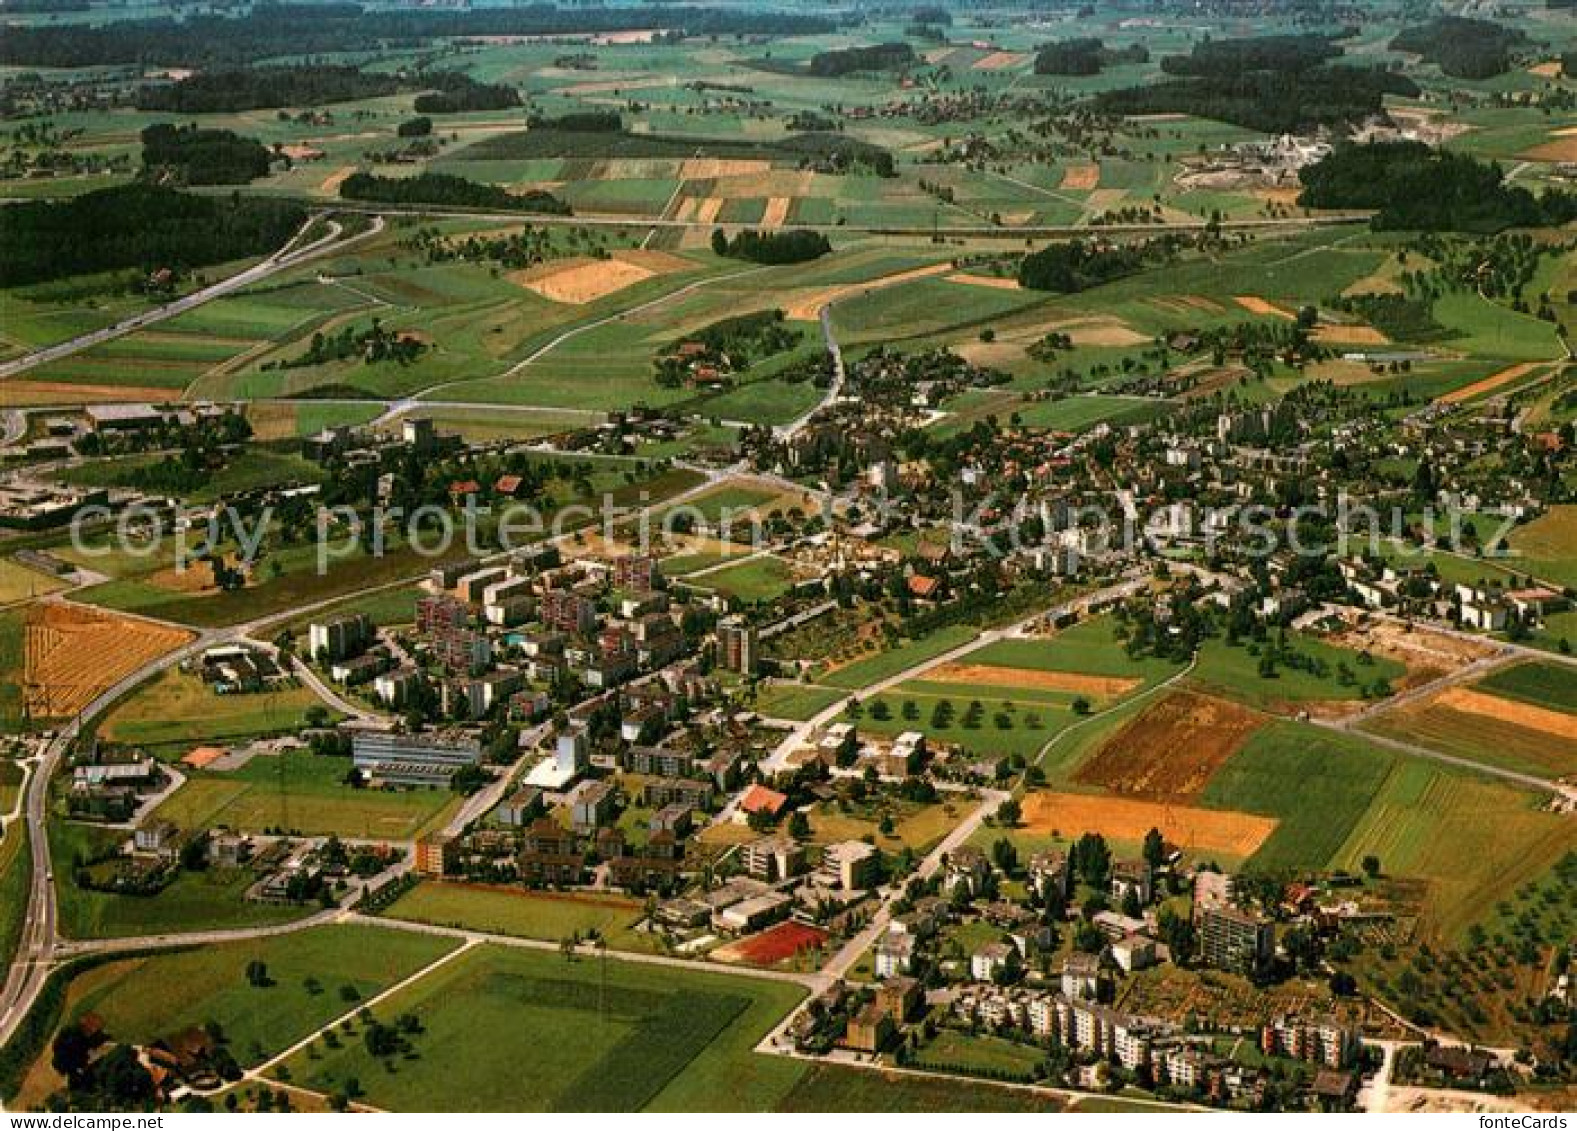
x=547 y=916
x=301 y=792
x=543 y=1034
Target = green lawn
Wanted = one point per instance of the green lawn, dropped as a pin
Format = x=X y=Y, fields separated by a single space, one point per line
x=834 y=1088
x=143 y=999
x=783 y=700
x=523 y=1030
x=760 y=579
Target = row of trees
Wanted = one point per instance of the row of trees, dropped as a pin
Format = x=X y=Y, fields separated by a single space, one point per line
x=232 y=90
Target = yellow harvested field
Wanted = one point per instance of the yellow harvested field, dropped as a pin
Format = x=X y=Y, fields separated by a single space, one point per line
x=710 y=168
x=22 y=393
x=1070 y=815
x=617 y=86
x=1556 y=724
x=73 y=655
x=1546 y=70
x=806 y=304
x=1489 y=384
x=582 y=279
x=332 y=182
x=707 y=209
x=993 y=675
x=1256 y=305
x=999 y=61
x=999 y=282
x=776 y=213
x=1081 y=178
x=1340 y=335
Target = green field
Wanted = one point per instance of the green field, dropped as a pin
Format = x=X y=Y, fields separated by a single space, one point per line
x=545 y=916
x=883 y=665
x=833 y=1088
x=176 y=711
x=309 y=969
x=756 y=581
x=782 y=700
x=300 y=792
x=1544 y=685
x=543 y=1034
x=1317 y=784
x=1234 y=672
x=195 y=901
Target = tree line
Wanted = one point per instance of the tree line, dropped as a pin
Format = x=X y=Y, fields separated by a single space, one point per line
x=448 y=190
x=853 y=60
x=458 y=93
x=1086 y=56
x=232 y=90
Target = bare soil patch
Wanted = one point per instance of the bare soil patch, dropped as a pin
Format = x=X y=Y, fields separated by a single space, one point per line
x=1081 y=178
x=776 y=212
x=1491 y=383
x=999 y=61
x=332 y=182
x=994 y=675
x=1343 y=335
x=1171 y=749
x=710 y=168
x=582 y=279
x=1122 y=818
x=1559 y=151
x=23 y=392
x=1555 y=723
x=1256 y=305
x=999 y=282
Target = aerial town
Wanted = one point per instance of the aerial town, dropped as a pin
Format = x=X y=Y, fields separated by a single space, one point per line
x=753 y=556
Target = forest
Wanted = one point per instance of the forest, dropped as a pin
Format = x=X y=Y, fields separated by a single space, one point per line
x=197 y=156
x=141 y=226
x=270 y=30
x=1289 y=101
x=444 y=189
x=853 y=60
x=1224 y=57
x=265 y=88
x=1076 y=265
x=1085 y=57
x=456 y=93
x=1415 y=188
x=796 y=245
x=1462 y=48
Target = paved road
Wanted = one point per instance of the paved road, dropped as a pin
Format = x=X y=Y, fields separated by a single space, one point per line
x=283 y=259
x=976 y=231
x=834 y=391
